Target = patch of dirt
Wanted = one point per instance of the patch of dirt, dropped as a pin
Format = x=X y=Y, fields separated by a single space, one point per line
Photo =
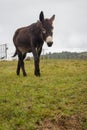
x=60 y=123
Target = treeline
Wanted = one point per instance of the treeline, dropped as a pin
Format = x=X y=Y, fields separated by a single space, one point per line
x=65 y=55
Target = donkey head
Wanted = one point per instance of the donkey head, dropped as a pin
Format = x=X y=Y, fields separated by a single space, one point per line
x=47 y=29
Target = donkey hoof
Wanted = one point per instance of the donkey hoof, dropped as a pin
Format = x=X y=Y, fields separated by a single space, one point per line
x=37 y=74
x=17 y=74
x=24 y=74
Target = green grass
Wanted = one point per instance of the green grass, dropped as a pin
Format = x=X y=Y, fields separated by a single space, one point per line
x=61 y=90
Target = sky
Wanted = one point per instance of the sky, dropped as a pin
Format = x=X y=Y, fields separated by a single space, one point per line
x=70 y=25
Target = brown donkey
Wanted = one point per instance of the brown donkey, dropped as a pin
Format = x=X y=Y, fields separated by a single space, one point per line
x=31 y=39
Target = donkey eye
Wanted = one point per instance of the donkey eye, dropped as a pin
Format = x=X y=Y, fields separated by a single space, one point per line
x=44 y=31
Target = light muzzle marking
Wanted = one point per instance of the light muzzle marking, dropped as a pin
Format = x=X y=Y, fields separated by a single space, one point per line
x=49 y=39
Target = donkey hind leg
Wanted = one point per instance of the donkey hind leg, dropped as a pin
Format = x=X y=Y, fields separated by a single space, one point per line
x=18 y=67
x=21 y=64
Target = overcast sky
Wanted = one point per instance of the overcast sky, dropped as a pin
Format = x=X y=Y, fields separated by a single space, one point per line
x=70 y=25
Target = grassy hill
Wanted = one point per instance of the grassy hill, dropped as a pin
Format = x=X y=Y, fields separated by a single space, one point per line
x=66 y=55
x=55 y=101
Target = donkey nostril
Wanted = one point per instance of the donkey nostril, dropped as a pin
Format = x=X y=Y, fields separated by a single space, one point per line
x=49 y=44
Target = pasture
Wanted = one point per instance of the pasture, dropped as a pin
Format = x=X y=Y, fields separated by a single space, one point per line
x=57 y=100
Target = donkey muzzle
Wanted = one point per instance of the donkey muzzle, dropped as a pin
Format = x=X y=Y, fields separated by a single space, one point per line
x=49 y=41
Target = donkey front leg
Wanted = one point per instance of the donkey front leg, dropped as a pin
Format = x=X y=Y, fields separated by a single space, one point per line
x=37 y=69
x=36 y=61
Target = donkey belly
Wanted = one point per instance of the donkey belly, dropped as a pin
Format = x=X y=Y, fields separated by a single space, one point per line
x=24 y=49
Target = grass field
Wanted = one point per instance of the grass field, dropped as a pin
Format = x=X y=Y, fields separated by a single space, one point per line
x=59 y=94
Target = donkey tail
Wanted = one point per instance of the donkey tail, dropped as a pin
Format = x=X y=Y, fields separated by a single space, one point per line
x=15 y=54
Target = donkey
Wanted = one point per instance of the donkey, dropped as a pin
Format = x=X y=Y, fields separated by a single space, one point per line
x=31 y=39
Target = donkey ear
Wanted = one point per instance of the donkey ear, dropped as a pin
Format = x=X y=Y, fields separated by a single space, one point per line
x=52 y=18
x=41 y=16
